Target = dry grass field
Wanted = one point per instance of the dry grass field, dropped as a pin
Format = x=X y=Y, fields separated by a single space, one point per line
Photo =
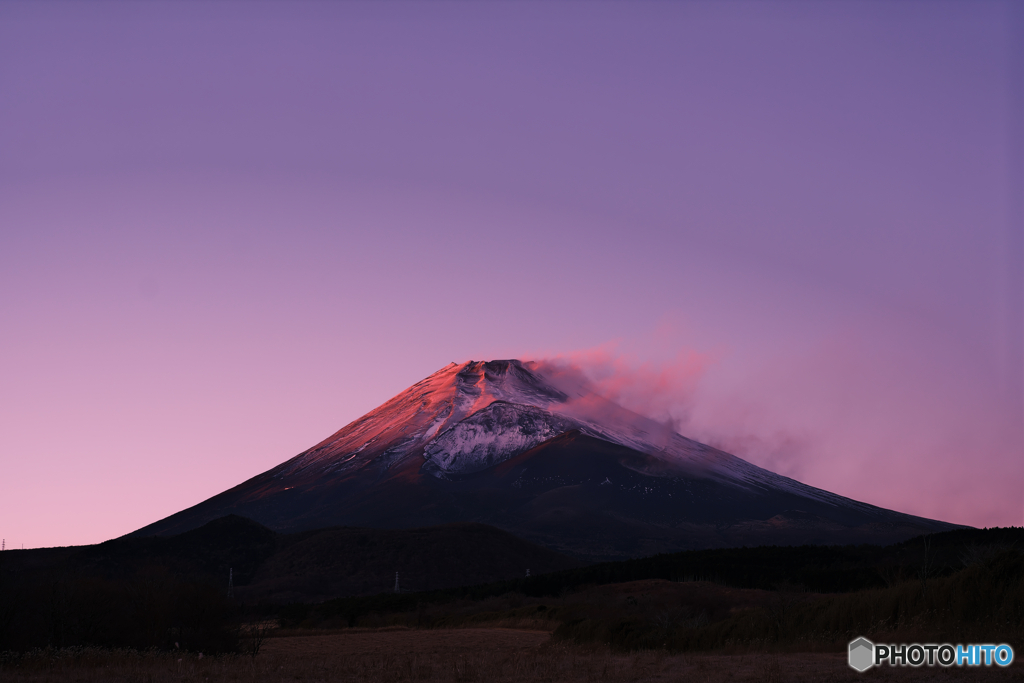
x=458 y=655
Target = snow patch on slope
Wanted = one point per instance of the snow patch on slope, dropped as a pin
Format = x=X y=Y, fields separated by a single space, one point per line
x=494 y=435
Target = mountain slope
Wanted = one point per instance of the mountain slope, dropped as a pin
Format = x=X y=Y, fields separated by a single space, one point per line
x=499 y=443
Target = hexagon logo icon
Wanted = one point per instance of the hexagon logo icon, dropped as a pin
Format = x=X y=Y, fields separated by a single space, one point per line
x=862 y=654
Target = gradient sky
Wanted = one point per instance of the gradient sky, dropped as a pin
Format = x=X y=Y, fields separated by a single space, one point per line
x=229 y=229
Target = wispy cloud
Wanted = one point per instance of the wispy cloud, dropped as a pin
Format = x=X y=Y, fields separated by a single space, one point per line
x=890 y=424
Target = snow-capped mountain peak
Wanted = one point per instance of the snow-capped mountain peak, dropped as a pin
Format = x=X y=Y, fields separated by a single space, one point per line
x=468 y=417
x=531 y=448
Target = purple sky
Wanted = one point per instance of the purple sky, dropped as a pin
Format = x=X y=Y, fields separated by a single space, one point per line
x=227 y=230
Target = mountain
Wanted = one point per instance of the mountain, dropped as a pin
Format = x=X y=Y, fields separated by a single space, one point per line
x=516 y=446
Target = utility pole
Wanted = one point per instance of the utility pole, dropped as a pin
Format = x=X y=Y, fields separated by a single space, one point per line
x=396 y=583
x=231 y=582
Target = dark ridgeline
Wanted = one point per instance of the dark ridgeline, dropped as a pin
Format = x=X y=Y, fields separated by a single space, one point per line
x=956 y=586
x=154 y=591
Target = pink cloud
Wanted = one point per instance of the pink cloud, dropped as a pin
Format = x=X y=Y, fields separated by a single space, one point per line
x=892 y=424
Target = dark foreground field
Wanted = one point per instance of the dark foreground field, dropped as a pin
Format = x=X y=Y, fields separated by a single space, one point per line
x=471 y=654
x=766 y=614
